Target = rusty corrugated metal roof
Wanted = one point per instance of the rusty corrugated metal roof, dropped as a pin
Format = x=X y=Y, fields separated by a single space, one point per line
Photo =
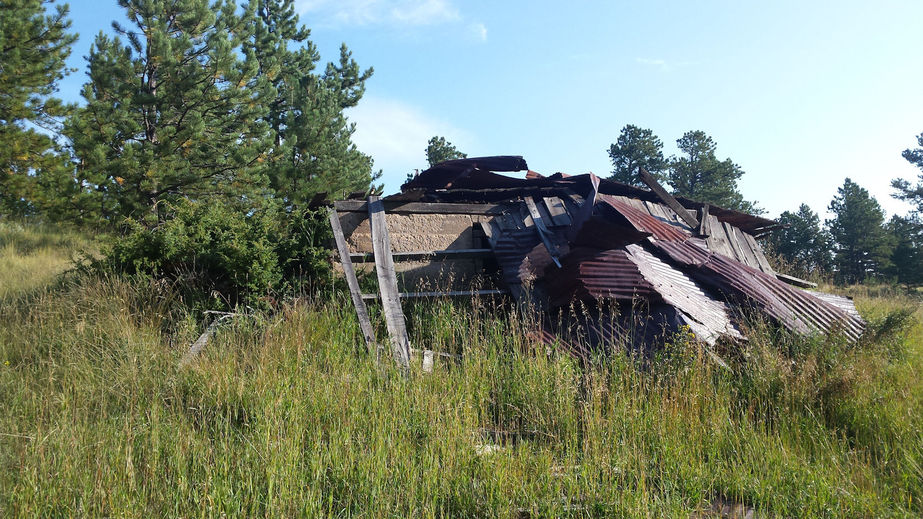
x=792 y=307
x=618 y=243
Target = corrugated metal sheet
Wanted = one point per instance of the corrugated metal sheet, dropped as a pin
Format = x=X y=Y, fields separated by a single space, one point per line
x=644 y=221
x=791 y=307
x=843 y=303
x=592 y=274
x=708 y=317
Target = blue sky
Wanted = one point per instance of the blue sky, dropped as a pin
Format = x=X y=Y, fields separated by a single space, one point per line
x=799 y=94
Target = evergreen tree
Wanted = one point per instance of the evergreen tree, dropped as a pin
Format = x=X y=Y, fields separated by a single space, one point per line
x=801 y=242
x=173 y=112
x=440 y=150
x=34 y=46
x=636 y=147
x=312 y=148
x=904 y=190
x=699 y=175
x=907 y=258
x=862 y=245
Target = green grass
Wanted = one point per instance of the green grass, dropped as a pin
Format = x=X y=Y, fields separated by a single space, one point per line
x=286 y=415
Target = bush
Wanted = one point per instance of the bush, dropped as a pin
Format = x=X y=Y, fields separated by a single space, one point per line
x=221 y=256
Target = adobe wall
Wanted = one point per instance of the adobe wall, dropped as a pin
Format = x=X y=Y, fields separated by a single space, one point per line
x=422 y=232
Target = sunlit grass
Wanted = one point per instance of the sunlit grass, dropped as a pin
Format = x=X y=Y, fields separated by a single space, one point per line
x=31 y=256
x=287 y=415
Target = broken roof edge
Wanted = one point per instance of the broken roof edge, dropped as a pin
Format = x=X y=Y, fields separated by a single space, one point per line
x=474 y=175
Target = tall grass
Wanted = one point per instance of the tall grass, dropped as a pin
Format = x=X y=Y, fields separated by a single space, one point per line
x=287 y=415
x=32 y=256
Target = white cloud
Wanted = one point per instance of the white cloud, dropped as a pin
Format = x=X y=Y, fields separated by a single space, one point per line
x=395 y=135
x=367 y=12
x=479 y=31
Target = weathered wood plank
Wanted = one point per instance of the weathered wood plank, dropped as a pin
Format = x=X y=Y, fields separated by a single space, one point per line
x=741 y=239
x=717 y=239
x=758 y=253
x=455 y=293
x=387 y=284
x=668 y=199
x=358 y=206
x=352 y=282
x=543 y=231
x=798 y=282
x=450 y=254
x=703 y=221
x=735 y=247
x=557 y=211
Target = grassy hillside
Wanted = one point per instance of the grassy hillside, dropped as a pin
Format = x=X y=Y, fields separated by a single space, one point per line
x=285 y=415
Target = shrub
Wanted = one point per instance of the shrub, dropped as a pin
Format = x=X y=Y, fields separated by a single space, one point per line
x=222 y=256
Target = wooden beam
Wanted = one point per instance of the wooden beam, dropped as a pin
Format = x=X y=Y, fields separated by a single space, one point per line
x=387 y=283
x=457 y=293
x=362 y=312
x=703 y=221
x=557 y=211
x=451 y=254
x=668 y=199
x=543 y=231
x=358 y=206
x=798 y=282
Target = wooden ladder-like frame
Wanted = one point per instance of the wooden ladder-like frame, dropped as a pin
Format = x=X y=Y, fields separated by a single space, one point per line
x=388 y=294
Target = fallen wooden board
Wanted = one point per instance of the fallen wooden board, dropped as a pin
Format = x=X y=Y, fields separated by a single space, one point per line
x=203 y=339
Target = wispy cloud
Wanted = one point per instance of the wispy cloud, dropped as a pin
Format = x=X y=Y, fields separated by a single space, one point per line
x=368 y=12
x=479 y=31
x=664 y=65
x=395 y=135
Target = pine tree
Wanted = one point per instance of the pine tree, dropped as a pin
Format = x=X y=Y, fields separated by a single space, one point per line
x=801 y=242
x=699 y=175
x=907 y=258
x=636 y=147
x=904 y=190
x=312 y=148
x=862 y=245
x=173 y=112
x=440 y=150
x=33 y=49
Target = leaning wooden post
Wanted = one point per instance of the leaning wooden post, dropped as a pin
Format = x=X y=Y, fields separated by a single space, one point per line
x=387 y=283
x=674 y=204
x=361 y=311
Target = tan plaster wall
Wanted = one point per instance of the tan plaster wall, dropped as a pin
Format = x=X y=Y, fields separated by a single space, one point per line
x=422 y=232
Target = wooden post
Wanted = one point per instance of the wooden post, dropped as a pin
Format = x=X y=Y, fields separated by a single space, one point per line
x=361 y=311
x=674 y=204
x=703 y=221
x=387 y=283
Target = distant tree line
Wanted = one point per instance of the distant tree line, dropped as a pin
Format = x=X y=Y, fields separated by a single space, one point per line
x=857 y=244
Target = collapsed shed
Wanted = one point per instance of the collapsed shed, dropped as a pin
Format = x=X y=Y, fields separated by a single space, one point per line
x=558 y=241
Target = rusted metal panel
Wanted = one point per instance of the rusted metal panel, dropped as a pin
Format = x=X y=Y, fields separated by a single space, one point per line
x=592 y=274
x=843 y=303
x=643 y=221
x=708 y=317
x=791 y=307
